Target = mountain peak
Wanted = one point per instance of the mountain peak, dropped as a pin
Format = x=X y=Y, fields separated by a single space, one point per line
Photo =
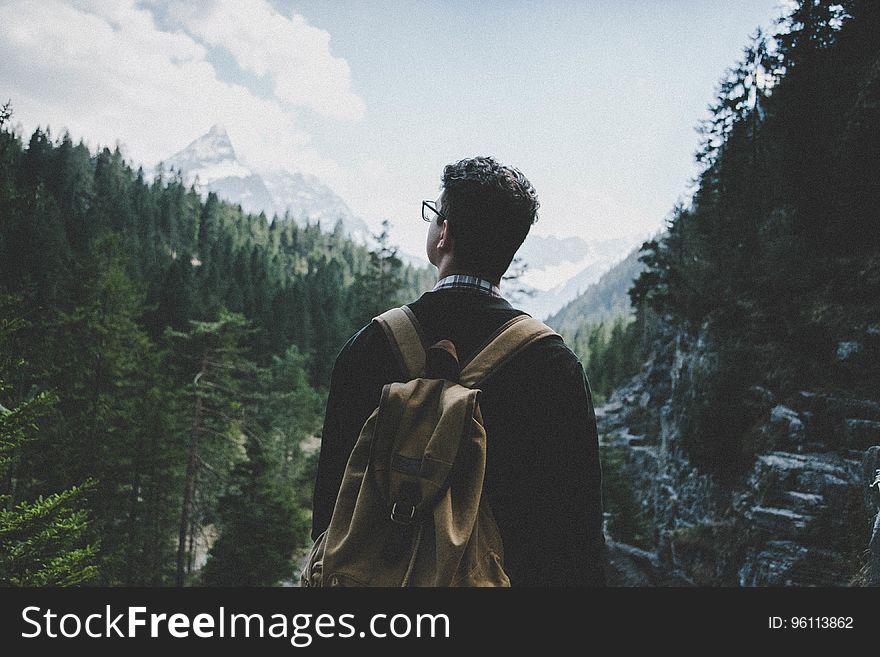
x=211 y=149
x=211 y=163
x=215 y=145
x=217 y=130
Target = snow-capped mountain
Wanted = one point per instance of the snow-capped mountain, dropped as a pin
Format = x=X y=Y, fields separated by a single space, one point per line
x=558 y=269
x=210 y=163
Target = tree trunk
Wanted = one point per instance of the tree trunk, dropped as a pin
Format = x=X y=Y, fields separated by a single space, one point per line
x=189 y=486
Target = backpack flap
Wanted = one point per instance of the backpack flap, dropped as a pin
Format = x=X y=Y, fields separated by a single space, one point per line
x=435 y=425
x=413 y=461
x=427 y=416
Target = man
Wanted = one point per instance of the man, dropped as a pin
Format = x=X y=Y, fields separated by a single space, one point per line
x=543 y=477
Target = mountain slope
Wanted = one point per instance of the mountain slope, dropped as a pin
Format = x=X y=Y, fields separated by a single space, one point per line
x=603 y=300
x=559 y=269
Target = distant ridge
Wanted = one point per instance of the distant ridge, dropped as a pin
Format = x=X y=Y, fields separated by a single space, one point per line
x=604 y=300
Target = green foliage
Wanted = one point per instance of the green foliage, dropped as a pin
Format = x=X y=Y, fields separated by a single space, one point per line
x=214 y=354
x=133 y=288
x=289 y=413
x=261 y=516
x=612 y=352
x=377 y=288
x=42 y=542
x=260 y=526
x=718 y=416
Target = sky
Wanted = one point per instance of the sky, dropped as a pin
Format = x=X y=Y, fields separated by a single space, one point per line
x=595 y=102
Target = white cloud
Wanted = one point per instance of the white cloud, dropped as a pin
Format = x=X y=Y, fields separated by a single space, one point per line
x=107 y=72
x=294 y=55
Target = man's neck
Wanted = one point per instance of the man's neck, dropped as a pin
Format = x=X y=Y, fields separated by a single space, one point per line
x=451 y=270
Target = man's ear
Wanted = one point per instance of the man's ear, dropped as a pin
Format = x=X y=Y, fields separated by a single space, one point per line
x=445 y=241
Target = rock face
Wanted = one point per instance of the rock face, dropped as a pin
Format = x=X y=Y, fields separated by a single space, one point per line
x=798 y=512
x=871 y=473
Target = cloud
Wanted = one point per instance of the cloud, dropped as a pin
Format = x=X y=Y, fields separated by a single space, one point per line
x=292 y=54
x=107 y=71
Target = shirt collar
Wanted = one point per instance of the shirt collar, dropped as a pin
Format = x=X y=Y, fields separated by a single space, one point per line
x=469 y=282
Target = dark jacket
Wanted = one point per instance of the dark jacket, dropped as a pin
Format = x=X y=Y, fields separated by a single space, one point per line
x=543 y=476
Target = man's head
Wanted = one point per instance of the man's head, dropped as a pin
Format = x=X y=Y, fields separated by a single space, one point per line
x=487 y=211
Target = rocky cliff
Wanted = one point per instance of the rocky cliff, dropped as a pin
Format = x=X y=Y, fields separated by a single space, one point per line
x=799 y=511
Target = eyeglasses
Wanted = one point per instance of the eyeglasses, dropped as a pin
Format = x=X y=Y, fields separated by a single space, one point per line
x=429 y=209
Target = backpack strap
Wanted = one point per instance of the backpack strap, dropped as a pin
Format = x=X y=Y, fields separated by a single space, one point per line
x=406 y=338
x=511 y=338
x=408 y=344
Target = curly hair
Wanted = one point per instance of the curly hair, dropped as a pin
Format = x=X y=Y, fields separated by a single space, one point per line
x=490 y=208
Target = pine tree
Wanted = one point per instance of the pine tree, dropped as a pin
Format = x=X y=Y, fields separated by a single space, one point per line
x=290 y=413
x=514 y=287
x=42 y=541
x=377 y=289
x=215 y=353
x=260 y=525
x=102 y=365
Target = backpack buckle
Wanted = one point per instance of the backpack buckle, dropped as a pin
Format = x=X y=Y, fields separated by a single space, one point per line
x=403 y=516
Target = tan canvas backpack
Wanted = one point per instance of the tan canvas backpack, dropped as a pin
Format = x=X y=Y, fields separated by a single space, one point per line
x=411 y=509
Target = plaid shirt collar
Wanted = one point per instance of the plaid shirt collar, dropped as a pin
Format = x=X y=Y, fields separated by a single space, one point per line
x=466 y=281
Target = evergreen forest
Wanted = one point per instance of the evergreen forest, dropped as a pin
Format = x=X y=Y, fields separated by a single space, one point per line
x=164 y=361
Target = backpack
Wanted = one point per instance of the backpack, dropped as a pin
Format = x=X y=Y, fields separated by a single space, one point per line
x=411 y=510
